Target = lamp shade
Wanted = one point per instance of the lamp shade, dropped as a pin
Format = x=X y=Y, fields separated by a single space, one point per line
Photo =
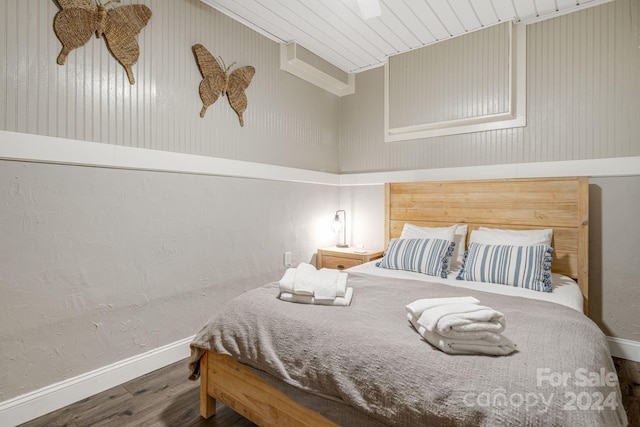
x=339 y=225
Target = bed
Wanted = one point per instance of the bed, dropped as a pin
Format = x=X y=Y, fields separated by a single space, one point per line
x=280 y=363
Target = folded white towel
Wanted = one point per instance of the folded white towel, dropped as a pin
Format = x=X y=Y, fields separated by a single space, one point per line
x=341 y=285
x=418 y=306
x=332 y=280
x=286 y=283
x=464 y=321
x=308 y=299
x=464 y=346
x=326 y=284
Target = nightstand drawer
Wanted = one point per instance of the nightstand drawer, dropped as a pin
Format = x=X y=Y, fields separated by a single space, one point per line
x=339 y=262
x=342 y=258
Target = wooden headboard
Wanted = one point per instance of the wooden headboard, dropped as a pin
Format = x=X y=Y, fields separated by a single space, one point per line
x=518 y=204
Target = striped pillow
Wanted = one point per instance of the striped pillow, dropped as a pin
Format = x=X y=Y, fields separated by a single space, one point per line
x=429 y=256
x=519 y=266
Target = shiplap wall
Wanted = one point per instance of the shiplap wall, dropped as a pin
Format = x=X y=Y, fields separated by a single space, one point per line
x=90 y=99
x=466 y=76
x=583 y=102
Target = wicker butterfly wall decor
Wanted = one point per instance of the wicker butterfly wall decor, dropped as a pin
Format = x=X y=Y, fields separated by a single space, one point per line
x=79 y=19
x=217 y=79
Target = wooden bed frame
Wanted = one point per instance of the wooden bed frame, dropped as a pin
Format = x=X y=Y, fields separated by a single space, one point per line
x=558 y=203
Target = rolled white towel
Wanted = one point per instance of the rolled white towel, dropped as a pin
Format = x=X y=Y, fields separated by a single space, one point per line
x=464 y=346
x=418 y=306
x=464 y=321
x=307 y=299
x=305 y=280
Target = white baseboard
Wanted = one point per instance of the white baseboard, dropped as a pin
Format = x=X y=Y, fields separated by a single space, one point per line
x=624 y=349
x=40 y=402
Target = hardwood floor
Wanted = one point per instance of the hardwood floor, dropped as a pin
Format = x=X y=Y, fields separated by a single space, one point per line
x=166 y=398
x=629 y=377
x=161 y=398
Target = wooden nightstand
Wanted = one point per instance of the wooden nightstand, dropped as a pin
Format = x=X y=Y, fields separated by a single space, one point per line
x=341 y=258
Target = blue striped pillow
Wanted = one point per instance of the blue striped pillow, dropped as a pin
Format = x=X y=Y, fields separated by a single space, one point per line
x=429 y=256
x=519 y=266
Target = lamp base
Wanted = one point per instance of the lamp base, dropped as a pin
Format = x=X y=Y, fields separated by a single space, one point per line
x=340 y=245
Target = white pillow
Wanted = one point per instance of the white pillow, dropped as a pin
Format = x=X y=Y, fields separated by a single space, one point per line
x=410 y=231
x=495 y=236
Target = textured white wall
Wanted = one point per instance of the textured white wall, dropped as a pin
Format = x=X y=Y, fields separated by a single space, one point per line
x=365 y=210
x=97 y=265
x=614 y=255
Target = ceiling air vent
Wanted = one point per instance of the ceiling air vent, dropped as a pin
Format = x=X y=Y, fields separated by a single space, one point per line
x=301 y=63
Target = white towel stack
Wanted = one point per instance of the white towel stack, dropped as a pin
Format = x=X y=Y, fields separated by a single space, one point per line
x=460 y=326
x=307 y=285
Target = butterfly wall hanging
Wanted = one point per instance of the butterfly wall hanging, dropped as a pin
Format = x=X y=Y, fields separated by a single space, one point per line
x=217 y=79
x=79 y=19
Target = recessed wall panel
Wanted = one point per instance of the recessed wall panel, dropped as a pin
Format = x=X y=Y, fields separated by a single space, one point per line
x=460 y=78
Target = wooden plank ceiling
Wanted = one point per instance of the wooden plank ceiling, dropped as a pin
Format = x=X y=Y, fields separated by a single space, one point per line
x=336 y=32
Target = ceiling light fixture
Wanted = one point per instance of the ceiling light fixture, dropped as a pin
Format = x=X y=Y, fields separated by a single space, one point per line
x=369 y=8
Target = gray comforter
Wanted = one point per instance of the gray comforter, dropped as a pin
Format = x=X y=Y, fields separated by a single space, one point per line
x=368 y=358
